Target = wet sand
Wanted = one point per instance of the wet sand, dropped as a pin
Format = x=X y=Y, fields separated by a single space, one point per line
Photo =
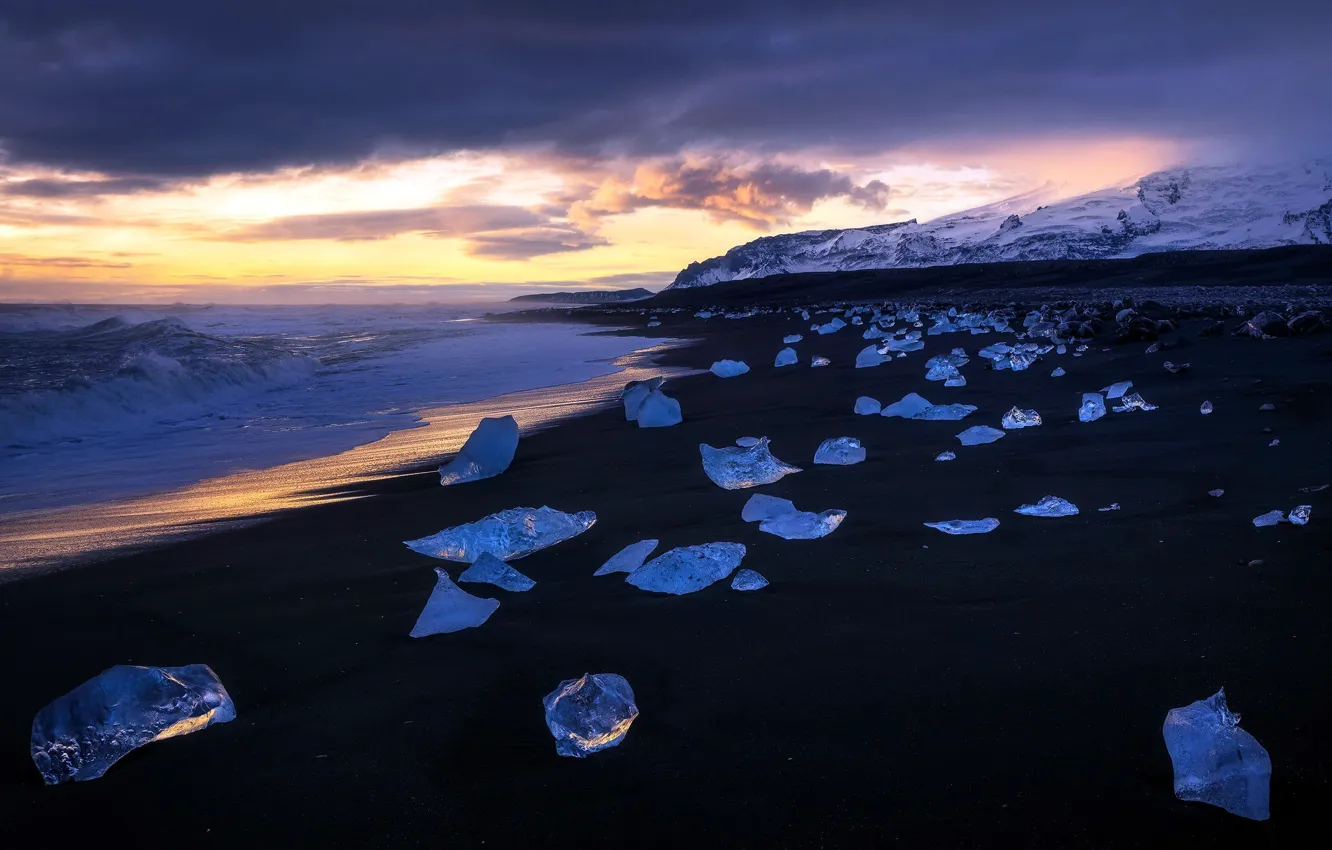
x=893 y=685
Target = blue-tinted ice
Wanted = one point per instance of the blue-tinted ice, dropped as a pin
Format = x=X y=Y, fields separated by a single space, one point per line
x=761 y=507
x=688 y=568
x=869 y=356
x=488 y=452
x=1017 y=418
x=866 y=406
x=734 y=467
x=634 y=393
x=1049 y=506
x=451 y=609
x=978 y=435
x=910 y=405
x=1215 y=761
x=508 y=534
x=81 y=734
x=1132 y=402
x=965 y=526
x=1093 y=407
x=818 y=362
x=729 y=368
x=627 y=559
x=804 y=525
x=786 y=357
x=748 y=580
x=659 y=410
x=840 y=451
x=589 y=714
x=488 y=569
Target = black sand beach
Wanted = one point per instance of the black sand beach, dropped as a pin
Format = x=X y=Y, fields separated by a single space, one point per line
x=893 y=685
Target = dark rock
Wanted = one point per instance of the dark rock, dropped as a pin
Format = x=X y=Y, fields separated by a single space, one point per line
x=1308 y=322
x=1263 y=326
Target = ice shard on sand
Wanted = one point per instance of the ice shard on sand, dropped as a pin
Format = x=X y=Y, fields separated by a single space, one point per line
x=1049 y=506
x=839 y=451
x=488 y=452
x=688 y=568
x=734 y=467
x=1215 y=761
x=488 y=569
x=509 y=534
x=627 y=559
x=451 y=609
x=590 y=713
x=965 y=526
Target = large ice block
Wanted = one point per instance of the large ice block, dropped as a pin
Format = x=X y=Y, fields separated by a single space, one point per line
x=659 y=410
x=869 y=356
x=508 y=534
x=451 y=609
x=488 y=452
x=839 y=451
x=634 y=394
x=803 y=525
x=1093 y=407
x=734 y=468
x=910 y=405
x=866 y=406
x=688 y=568
x=729 y=368
x=589 y=714
x=488 y=569
x=786 y=357
x=627 y=559
x=1215 y=761
x=80 y=735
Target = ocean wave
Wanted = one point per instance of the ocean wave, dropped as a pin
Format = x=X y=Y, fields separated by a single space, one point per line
x=116 y=374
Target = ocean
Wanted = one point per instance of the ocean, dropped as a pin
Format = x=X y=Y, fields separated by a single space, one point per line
x=123 y=425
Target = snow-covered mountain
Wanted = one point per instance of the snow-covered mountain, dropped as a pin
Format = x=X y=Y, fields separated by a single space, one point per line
x=1196 y=208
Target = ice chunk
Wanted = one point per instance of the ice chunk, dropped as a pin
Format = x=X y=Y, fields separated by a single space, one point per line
x=869 y=356
x=1133 y=402
x=902 y=345
x=1117 y=390
x=761 y=507
x=688 y=568
x=804 y=525
x=506 y=535
x=1112 y=507
x=589 y=714
x=729 y=368
x=451 y=609
x=956 y=381
x=1058 y=372
x=945 y=456
x=1016 y=418
x=840 y=451
x=488 y=569
x=627 y=559
x=978 y=435
x=946 y=412
x=1216 y=493
x=941 y=372
x=910 y=405
x=786 y=357
x=1175 y=368
x=1215 y=761
x=659 y=410
x=748 y=580
x=634 y=393
x=820 y=361
x=702 y=314
x=488 y=452
x=1205 y=408
x=746 y=442
x=1268 y=519
x=1316 y=488
x=1049 y=506
x=866 y=406
x=80 y=735
x=1274 y=443
x=792 y=339
x=1300 y=516
x=965 y=526
x=1093 y=407
x=1266 y=407
x=734 y=468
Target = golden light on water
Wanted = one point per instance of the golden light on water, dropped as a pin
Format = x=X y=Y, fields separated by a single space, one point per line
x=37 y=539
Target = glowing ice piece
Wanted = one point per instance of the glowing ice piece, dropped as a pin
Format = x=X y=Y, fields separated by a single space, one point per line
x=965 y=526
x=488 y=569
x=734 y=468
x=508 y=534
x=1117 y=390
x=946 y=412
x=761 y=507
x=941 y=372
x=792 y=339
x=840 y=451
x=659 y=410
x=627 y=559
x=905 y=345
x=866 y=406
x=956 y=381
x=1133 y=402
x=729 y=368
x=978 y=435
x=488 y=452
x=785 y=357
x=1058 y=371
x=910 y=405
x=820 y=361
x=1205 y=408
x=1269 y=519
x=945 y=456
x=634 y=393
x=1016 y=418
x=804 y=525
x=869 y=356
x=589 y=714
x=1300 y=515
x=1049 y=506
x=1093 y=407
x=746 y=442
x=748 y=580
x=451 y=609
x=688 y=568
x=80 y=735
x=1215 y=761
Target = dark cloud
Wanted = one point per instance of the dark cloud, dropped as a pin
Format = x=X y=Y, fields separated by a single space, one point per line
x=441 y=222
x=165 y=88
x=531 y=242
x=48 y=188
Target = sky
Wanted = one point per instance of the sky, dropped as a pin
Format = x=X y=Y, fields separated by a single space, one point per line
x=340 y=150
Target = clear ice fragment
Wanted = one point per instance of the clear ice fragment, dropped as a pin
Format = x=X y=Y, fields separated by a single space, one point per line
x=1300 y=515
x=956 y=381
x=1112 y=507
x=1205 y=408
x=866 y=406
x=748 y=580
x=1133 y=402
x=1216 y=493
x=506 y=535
x=1049 y=506
x=785 y=357
x=729 y=368
x=634 y=393
x=910 y=405
x=941 y=372
x=840 y=451
x=1215 y=761
x=1093 y=407
x=1269 y=519
x=1016 y=418
x=688 y=568
x=945 y=456
x=746 y=442
x=79 y=736
x=1058 y=371
x=978 y=435
x=488 y=569
x=1117 y=390
x=627 y=559
x=659 y=410
x=792 y=339
x=488 y=452
x=804 y=525
x=820 y=361
x=762 y=507
x=946 y=412
x=589 y=714
x=734 y=468
x=451 y=609
x=869 y=356
x=965 y=526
